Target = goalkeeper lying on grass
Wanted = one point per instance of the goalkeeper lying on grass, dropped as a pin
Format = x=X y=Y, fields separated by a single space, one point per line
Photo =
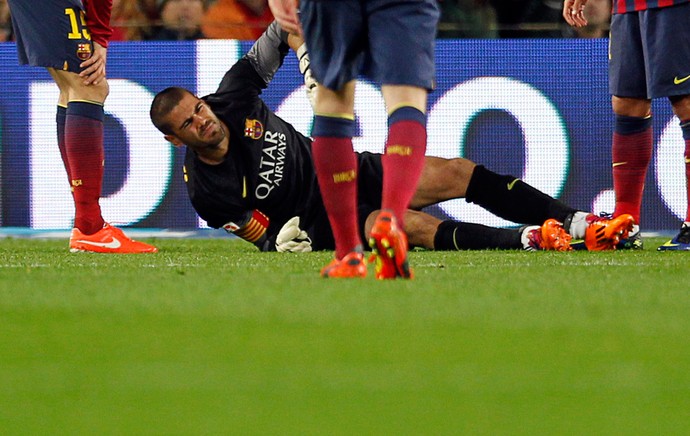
x=250 y=172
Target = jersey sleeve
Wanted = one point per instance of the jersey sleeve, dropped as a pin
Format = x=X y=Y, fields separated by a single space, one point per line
x=268 y=52
x=255 y=70
x=98 y=20
x=252 y=228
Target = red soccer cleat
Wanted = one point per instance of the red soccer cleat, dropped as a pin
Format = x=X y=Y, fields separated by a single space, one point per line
x=604 y=233
x=350 y=266
x=550 y=236
x=388 y=243
x=107 y=240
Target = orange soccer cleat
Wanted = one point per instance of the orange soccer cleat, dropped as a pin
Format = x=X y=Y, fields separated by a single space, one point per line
x=388 y=244
x=350 y=266
x=605 y=233
x=107 y=240
x=550 y=236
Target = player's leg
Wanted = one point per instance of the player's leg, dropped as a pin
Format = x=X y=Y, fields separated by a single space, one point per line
x=83 y=148
x=401 y=58
x=403 y=161
x=54 y=36
x=670 y=76
x=336 y=164
x=503 y=195
x=333 y=33
x=510 y=198
x=83 y=144
x=631 y=152
x=681 y=107
x=60 y=120
x=665 y=37
x=405 y=149
x=430 y=232
x=442 y=179
x=632 y=137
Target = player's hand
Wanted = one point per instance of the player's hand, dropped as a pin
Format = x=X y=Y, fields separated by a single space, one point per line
x=309 y=81
x=574 y=12
x=292 y=239
x=93 y=69
x=285 y=13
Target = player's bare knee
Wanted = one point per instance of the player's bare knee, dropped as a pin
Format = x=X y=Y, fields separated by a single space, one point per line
x=681 y=106
x=99 y=92
x=456 y=177
x=74 y=87
x=420 y=228
x=631 y=107
x=462 y=169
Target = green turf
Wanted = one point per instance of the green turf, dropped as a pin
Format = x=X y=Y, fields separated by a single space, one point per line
x=211 y=337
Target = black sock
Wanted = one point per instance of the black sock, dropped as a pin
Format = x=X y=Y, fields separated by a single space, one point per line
x=510 y=198
x=452 y=235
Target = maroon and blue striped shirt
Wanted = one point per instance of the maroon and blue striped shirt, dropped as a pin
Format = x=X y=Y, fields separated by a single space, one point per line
x=623 y=6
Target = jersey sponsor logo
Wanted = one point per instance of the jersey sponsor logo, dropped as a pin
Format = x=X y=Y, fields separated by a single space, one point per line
x=345 y=176
x=678 y=80
x=402 y=150
x=231 y=227
x=272 y=164
x=253 y=128
x=617 y=164
x=83 y=51
x=511 y=185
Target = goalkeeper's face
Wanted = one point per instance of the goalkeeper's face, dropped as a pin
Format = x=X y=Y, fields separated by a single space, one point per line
x=194 y=124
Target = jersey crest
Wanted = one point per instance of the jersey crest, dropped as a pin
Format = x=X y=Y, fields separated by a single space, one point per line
x=83 y=51
x=253 y=128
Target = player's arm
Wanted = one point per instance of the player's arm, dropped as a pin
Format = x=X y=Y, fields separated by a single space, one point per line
x=300 y=48
x=255 y=70
x=286 y=14
x=98 y=20
x=574 y=12
x=253 y=227
x=268 y=52
x=98 y=23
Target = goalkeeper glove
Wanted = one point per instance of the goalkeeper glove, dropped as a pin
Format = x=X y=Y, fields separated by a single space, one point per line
x=292 y=239
x=309 y=80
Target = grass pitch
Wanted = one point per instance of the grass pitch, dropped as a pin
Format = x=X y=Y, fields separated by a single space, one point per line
x=212 y=337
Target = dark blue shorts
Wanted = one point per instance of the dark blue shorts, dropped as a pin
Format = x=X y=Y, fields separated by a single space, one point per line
x=649 y=53
x=389 y=41
x=51 y=34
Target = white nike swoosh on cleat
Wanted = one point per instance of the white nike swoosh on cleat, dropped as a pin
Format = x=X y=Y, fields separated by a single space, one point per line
x=115 y=243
